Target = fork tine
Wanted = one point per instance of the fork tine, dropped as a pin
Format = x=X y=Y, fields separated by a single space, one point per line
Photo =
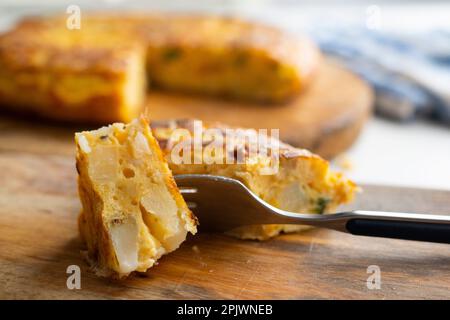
x=188 y=190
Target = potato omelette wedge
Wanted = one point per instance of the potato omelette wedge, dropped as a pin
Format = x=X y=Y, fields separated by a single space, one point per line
x=132 y=210
x=303 y=181
x=100 y=72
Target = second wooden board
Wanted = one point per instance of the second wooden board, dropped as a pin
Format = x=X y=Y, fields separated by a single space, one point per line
x=326 y=118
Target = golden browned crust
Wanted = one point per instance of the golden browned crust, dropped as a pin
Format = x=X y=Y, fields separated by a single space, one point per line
x=96 y=73
x=164 y=128
x=74 y=75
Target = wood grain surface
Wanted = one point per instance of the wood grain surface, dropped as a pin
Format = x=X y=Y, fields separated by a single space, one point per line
x=326 y=118
x=39 y=240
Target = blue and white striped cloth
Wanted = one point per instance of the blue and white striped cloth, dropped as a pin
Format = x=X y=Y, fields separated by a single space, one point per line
x=410 y=74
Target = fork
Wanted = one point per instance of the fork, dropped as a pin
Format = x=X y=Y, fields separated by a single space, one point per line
x=222 y=204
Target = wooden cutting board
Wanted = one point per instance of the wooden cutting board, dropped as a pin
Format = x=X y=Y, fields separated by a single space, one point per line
x=39 y=240
x=326 y=118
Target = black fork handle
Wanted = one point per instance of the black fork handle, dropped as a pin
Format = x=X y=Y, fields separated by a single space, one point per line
x=427 y=229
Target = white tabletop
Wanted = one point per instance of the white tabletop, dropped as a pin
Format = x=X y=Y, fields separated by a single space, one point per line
x=388 y=153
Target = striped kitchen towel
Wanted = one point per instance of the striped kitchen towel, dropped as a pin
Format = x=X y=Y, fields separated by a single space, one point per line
x=410 y=74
